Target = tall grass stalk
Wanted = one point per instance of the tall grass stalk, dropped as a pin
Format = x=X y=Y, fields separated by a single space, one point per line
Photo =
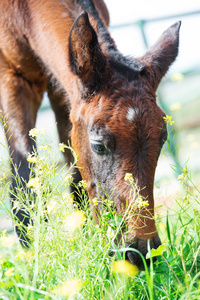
x=74 y=262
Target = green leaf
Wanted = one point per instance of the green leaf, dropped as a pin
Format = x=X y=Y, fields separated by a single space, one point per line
x=156 y=252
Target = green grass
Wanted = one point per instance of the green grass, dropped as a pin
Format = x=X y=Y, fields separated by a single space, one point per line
x=73 y=261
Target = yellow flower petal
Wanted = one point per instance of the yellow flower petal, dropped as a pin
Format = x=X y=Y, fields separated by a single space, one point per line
x=125 y=267
x=34 y=132
x=62 y=147
x=83 y=184
x=68 y=288
x=128 y=177
x=31 y=159
x=168 y=119
x=9 y=272
x=95 y=201
x=7 y=241
x=33 y=182
x=142 y=203
x=74 y=220
x=25 y=255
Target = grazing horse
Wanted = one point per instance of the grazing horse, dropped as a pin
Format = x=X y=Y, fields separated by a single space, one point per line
x=103 y=101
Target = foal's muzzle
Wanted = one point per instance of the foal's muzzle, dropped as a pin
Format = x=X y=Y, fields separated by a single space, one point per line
x=142 y=246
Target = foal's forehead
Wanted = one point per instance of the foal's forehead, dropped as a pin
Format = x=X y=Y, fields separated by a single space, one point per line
x=126 y=105
x=131 y=114
x=131 y=105
x=126 y=115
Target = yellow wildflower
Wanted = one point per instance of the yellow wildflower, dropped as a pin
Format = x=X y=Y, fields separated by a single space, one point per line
x=72 y=197
x=34 y=132
x=128 y=177
x=9 y=272
x=31 y=159
x=124 y=267
x=83 y=184
x=168 y=119
x=16 y=204
x=74 y=220
x=68 y=288
x=95 y=201
x=145 y=203
x=62 y=147
x=141 y=202
x=97 y=228
x=7 y=241
x=181 y=176
x=3 y=177
x=108 y=202
x=71 y=240
x=33 y=183
x=68 y=179
x=24 y=255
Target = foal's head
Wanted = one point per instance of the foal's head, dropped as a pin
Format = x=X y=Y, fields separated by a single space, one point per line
x=117 y=126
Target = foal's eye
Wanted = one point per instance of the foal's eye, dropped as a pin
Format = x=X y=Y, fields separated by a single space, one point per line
x=99 y=147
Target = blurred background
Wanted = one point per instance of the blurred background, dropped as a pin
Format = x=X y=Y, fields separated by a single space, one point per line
x=135 y=26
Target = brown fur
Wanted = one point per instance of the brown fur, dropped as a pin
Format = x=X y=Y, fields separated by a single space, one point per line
x=98 y=88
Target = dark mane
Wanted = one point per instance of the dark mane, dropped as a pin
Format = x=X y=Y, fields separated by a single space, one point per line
x=126 y=66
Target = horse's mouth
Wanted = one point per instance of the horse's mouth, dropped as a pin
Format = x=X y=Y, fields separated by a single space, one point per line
x=139 y=248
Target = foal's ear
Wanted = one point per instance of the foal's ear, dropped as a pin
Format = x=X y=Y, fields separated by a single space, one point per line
x=162 y=54
x=85 y=56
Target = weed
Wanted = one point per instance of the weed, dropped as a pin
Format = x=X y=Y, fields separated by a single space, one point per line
x=69 y=256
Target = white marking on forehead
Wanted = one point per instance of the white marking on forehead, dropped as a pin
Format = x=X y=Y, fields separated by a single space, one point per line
x=131 y=113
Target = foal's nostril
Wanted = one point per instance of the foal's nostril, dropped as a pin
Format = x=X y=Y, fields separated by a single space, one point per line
x=135 y=259
x=142 y=246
